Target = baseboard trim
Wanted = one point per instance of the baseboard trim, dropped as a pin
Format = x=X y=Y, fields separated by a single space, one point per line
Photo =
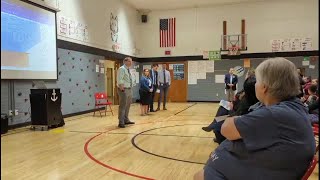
x=82 y=112
x=20 y=125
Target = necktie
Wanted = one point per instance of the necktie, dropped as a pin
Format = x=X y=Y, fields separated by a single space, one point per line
x=164 y=76
x=130 y=77
x=153 y=78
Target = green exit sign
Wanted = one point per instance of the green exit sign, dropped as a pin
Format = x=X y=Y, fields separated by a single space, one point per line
x=214 y=55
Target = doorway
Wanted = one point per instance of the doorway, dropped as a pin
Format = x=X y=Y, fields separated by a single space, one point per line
x=178 y=88
x=109 y=77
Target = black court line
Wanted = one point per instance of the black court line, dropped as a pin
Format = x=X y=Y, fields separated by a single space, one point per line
x=97 y=132
x=172 y=135
x=145 y=151
x=185 y=109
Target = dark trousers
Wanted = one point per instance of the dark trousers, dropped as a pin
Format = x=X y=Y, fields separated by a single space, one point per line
x=163 y=92
x=152 y=96
x=216 y=126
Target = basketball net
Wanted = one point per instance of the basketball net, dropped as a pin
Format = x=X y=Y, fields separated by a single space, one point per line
x=233 y=50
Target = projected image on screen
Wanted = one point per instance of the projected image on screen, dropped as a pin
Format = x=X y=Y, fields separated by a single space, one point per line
x=28 y=41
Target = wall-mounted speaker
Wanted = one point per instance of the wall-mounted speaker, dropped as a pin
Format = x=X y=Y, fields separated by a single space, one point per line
x=144 y=18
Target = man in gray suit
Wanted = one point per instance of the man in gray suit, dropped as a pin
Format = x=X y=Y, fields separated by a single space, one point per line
x=124 y=84
x=164 y=82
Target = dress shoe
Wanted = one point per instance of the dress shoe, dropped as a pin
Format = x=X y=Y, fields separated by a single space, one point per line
x=129 y=122
x=152 y=110
x=158 y=109
x=206 y=129
x=164 y=108
x=215 y=140
x=121 y=126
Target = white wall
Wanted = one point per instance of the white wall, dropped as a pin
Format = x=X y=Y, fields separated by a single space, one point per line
x=200 y=29
x=96 y=14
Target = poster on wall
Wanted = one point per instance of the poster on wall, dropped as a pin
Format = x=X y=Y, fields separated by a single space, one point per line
x=73 y=29
x=291 y=44
x=192 y=66
x=296 y=44
x=219 y=78
x=210 y=66
x=63 y=26
x=285 y=44
x=192 y=78
x=306 y=44
x=312 y=66
x=275 y=45
x=202 y=66
x=146 y=67
x=201 y=75
x=305 y=63
x=246 y=63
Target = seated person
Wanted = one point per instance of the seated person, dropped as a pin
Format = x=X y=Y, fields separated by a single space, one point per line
x=312 y=97
x=242 y=107
x=314 y=112
x=275 y=141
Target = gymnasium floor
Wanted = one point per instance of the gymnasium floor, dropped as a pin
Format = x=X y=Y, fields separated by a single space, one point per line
x=165 y=145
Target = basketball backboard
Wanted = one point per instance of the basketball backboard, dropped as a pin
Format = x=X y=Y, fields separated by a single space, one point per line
x=234 y=42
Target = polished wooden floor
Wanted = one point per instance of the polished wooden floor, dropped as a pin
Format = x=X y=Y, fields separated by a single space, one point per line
x=164 y=145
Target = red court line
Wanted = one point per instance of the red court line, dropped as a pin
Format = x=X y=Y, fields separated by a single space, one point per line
x=86 y=150
x=105 y=165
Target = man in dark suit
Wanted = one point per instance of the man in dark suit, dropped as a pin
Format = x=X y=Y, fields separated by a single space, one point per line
x=230 y=81
x=154 y=80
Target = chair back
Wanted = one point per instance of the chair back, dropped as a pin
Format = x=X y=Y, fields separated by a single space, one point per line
x=100 y=97
x=310 y=168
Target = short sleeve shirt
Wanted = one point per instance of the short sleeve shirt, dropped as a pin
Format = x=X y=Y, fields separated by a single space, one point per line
x=277 y=143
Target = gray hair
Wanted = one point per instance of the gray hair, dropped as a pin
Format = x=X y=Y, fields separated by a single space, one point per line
x=280 y=76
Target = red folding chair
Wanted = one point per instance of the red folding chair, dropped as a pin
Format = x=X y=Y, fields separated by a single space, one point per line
x=311 y=168
x=316 y=134
x=101 y=99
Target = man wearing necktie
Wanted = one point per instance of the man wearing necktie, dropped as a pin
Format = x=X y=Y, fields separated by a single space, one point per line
x=124 y=84
x=231 y=81
x=164 y=83
x=154 y=79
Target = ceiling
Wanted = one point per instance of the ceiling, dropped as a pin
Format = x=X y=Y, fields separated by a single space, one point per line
x=180 y=4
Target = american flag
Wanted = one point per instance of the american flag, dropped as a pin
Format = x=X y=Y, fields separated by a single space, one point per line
x=168 y=32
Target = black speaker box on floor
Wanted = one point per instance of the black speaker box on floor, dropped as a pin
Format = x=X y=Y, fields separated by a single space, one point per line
x=4 y=123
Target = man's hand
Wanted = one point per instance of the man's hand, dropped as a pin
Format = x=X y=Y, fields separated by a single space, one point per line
x=121 y=87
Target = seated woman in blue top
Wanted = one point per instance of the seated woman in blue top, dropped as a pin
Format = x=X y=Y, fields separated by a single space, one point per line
x=274 y=141
x=145 y=92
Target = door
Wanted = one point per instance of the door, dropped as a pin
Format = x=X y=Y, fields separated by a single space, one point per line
x=116 y=96
x=178 y=88
x=109 y=75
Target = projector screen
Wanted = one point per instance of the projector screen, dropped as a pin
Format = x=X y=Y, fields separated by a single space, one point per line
x=28 y=41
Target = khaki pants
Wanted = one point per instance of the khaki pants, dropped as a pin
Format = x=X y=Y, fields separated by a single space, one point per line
x=125 y=99
x=230 y=95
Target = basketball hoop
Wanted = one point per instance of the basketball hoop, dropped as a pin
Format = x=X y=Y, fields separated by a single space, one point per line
x=233 y=51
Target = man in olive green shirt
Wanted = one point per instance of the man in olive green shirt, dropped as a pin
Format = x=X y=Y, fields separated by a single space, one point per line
x=124 y=84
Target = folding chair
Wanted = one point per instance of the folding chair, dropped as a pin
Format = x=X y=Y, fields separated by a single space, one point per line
x=101 y=99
